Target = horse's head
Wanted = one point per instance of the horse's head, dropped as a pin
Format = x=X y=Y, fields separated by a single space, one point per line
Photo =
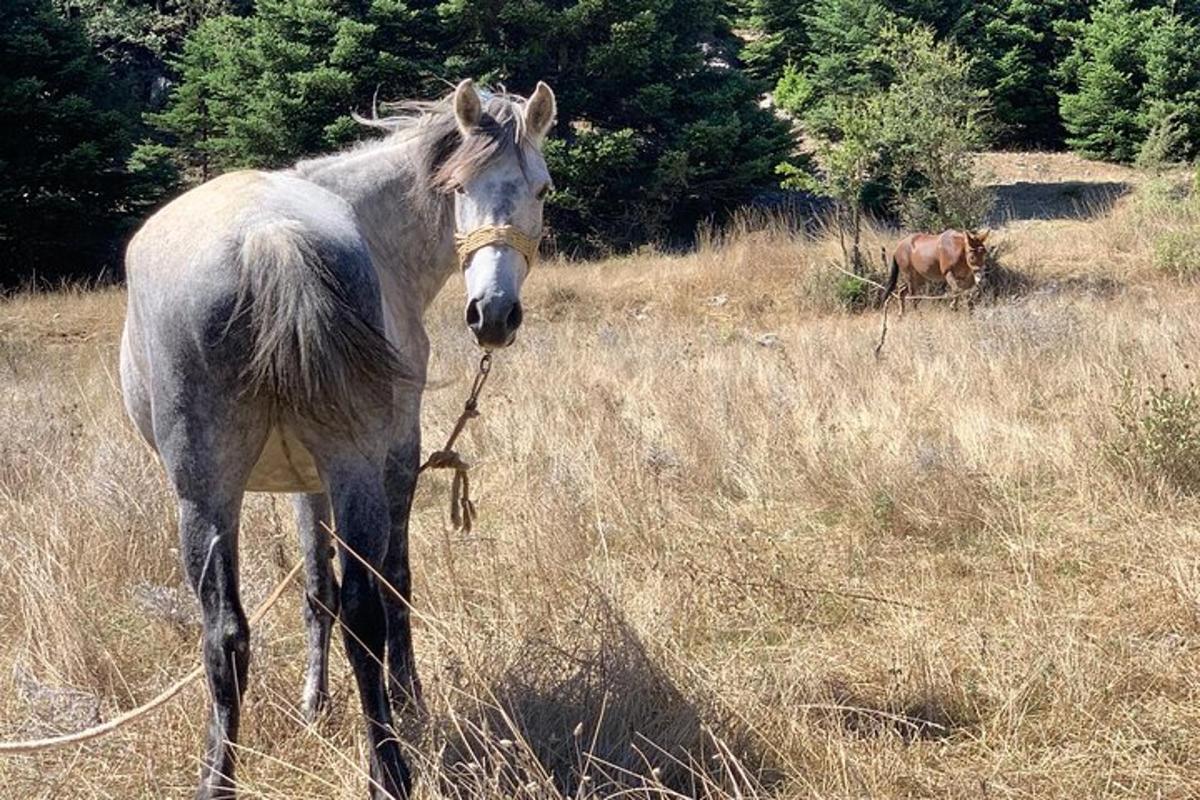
x=977 y=252
x=500 y=181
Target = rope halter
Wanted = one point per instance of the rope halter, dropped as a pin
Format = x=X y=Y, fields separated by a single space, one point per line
x=517 y=239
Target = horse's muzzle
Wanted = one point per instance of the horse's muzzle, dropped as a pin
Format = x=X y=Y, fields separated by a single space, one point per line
x=494 y=320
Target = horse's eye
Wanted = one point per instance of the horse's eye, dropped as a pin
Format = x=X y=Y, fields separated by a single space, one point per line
x=542 y=192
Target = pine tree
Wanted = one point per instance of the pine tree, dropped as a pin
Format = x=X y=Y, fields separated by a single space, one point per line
x=266 y=89
x=1131 y=70
x=845 y=57
x=1015 y=45
x=64 y=190
x=778 y=35
x=940 y=16
x=138 y=36
x=656 y=127
x=1171 y=97
x=844 y=60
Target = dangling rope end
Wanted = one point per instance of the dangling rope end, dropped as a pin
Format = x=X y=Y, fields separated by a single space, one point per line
x=462 y=508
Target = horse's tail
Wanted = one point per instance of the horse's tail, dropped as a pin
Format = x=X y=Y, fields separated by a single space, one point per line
x=315 y=354
x=893 y=279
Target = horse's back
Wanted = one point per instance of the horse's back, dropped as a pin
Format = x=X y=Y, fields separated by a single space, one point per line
x=193 y=246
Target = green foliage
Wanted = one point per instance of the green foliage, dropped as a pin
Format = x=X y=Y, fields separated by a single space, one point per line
x=1158 y=435
x=1162 y=143
x=1124 y=65
x=849 y=160
x=852 y=292
x=127 y=31
x=656 y=128
x=1170 y=107
x=137 y=37
x=1015 y=45
x=64 y=194
x=1177 y=253
x=266 y=89
x=845 y=58
x=794 y=92
x=934 y=121
x=780 y=34
x=1131 y=70
x=911 y=141
x=659 y=120
x=1106 y=69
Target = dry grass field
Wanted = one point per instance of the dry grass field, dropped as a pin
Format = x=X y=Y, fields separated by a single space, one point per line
x=723 y=552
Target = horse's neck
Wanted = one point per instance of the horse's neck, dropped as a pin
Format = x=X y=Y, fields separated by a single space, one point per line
x=409 y=231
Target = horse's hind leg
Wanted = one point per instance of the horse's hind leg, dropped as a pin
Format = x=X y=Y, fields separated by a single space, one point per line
x=313 y=519
x=208 y=537
x=360 y=511
x=208 y=456
x=401 y=480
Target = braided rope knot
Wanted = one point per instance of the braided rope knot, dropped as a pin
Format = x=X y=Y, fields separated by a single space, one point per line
x=462 y=508
x=467 y=243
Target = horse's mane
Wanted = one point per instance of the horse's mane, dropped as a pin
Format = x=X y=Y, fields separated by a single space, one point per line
x=443 y=158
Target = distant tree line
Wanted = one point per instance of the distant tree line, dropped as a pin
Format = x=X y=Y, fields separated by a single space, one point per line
x=107 y=107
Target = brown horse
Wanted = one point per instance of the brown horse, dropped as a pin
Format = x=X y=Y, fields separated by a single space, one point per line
x=955 y=258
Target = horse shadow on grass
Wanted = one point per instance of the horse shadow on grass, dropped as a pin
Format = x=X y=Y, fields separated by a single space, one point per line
x=1001 y=283
x=1079 y=200
x=600 y=719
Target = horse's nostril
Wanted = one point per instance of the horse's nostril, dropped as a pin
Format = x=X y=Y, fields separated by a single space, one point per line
x=473 y=318
x=514 y=317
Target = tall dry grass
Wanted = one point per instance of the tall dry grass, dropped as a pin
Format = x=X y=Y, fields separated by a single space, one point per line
x=722 y=551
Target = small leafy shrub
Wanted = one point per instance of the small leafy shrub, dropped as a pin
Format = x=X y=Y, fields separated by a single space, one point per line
x=1163 y=143
x=1177 y=253
x=1159 y=434
x=852 y=292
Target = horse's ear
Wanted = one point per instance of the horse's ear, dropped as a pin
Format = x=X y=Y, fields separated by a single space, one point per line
x=540 y=111
x=467 y=108
x=981 y=237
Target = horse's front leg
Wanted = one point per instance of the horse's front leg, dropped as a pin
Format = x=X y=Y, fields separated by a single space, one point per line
x=955 y=290
x=401 y=480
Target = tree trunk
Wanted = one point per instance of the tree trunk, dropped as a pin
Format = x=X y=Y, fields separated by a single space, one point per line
x=856 y=254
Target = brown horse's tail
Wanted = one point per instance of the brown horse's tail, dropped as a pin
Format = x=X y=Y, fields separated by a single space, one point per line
x=893 y=279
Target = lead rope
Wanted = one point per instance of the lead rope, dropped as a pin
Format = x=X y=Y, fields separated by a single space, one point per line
x=462 y=514
x=36 y=745
x=462 y=509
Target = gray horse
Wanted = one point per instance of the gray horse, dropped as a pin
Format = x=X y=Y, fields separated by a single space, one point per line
x=274 y=342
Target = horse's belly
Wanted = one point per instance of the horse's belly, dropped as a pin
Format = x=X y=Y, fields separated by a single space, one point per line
x=284 y=466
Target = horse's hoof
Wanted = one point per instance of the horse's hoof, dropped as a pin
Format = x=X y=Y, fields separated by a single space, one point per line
x=408 y=699
x=390 y=777
x=207 y=791
x=314 y=707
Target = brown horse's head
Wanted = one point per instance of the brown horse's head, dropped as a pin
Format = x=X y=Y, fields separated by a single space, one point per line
x=977 y=252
